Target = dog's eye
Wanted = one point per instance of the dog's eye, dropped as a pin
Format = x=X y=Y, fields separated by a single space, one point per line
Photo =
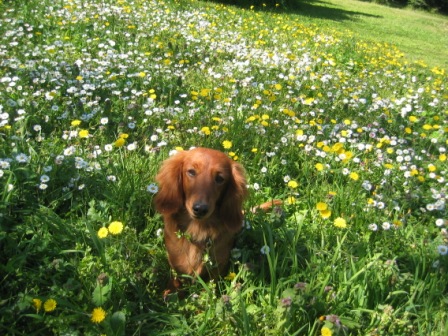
x=191 y=172
x=219 y=179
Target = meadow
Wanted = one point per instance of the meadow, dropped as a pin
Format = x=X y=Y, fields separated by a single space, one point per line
x=349 y=133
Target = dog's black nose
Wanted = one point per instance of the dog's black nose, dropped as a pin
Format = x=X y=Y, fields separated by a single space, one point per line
x=200 y=209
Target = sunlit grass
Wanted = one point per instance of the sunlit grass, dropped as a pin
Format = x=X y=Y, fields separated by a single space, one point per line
x=348 y=133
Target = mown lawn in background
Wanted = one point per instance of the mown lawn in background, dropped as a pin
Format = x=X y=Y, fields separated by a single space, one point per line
x=347 y=131
x=420 y=35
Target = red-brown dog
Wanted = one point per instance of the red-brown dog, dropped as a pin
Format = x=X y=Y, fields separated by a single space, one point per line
x=200 y=196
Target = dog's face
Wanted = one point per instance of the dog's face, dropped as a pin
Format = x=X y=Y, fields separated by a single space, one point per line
x=205 y=183
x=205 y=177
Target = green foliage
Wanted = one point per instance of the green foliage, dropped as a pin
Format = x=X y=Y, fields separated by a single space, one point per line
x=431 y=5
x=94 y=95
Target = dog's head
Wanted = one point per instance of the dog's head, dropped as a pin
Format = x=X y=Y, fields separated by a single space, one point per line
x=203 y=181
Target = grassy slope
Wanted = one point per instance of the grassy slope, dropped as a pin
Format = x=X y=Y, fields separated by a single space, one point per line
x=271 y=87
x=420 y=35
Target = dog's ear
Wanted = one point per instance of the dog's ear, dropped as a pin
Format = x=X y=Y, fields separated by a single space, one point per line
x=170 y=197
x=231 y=210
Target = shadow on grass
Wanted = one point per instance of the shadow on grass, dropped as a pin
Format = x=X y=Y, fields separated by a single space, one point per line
x=311 y=8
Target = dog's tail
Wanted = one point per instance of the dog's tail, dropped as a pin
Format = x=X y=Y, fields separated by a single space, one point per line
x=272 y=205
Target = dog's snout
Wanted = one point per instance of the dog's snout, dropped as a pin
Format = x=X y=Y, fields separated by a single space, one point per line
x=200 y=209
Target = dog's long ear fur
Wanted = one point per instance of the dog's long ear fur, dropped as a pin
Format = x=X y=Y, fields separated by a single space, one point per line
x=170 y=197
x=231 y=207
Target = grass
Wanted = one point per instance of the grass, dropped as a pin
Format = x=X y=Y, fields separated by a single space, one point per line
x=349 y=133
x=420 y=35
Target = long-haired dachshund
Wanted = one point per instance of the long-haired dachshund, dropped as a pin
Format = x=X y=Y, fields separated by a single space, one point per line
x=200 y=197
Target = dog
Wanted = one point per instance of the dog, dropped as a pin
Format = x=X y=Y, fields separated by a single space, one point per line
x=200 y=197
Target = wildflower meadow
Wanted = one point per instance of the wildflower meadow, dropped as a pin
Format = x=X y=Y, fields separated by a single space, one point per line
x=349 y=134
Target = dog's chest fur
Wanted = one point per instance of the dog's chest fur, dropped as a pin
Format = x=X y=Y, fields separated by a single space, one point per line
x=200 y=232
x=194 y=240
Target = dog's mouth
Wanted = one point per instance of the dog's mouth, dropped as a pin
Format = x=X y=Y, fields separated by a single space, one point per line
x=200 y=217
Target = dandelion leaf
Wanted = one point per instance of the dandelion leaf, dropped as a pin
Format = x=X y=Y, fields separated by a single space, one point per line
x=101 y=294
x=118 y=322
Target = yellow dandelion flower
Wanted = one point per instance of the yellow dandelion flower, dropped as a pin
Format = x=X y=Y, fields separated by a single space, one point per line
x=37 y=304
x=98 y=315
x=319 y=166
x=119 y=142
x=293 y=184
x=230 y=276
x=347 y=156
x=432 y=168
x=321 y=206
x=50 y=305
x=205 y=92
x=205 y=130
x=123 y=135
x=83 y=133
x=442 y=157
x=340 y=223
x=291 y=200
x=76 y=122
x=325 y=213
x=308 y=101
x=115 y=227
x=325 y=331
x=354 y=176
x=152 y=94
x=227 y=144
x=398 y=223
x=103 y=232
x=337 y=147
